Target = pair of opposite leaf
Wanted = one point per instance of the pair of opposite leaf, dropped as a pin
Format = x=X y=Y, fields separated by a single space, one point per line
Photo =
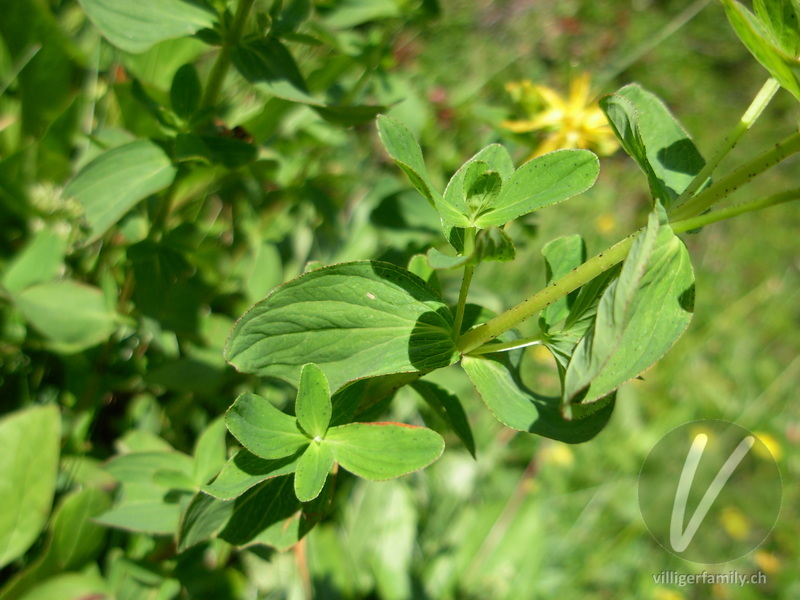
x=375 y=451
x=487 y=192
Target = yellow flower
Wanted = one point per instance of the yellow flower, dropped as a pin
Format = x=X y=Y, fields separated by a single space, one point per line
x=735 y=523
x=771 y=443
x=573 y=122
x=767 y=562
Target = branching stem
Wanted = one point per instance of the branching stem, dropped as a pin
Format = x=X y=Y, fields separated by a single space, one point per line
x=740 y=176
x=593 y=267
x=749 y=117
x=466 y=280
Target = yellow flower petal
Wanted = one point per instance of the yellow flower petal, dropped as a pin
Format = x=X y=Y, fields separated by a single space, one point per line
x=572 y=122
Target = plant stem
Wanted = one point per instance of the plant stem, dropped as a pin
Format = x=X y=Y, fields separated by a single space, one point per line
x=750 y=116
x=593 y=267
x=165 y=207
x=734 y=211
x=544 y=298
x=220 y=68
x=469 y=270
x=734 y=180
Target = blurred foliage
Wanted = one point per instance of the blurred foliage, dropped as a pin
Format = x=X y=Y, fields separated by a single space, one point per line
x=119 y=321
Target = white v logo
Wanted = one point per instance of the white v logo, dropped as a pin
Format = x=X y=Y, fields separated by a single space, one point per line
x=680 y=540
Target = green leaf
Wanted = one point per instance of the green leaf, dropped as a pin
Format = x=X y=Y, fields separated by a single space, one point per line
x=364 y=395
x=482 y=191
x=380 y=451
x=418 y=265
x=185 y=92
x=768 y=37
x=204 y=518
x=346 y=14
x=313 y=405
x=39 y=261
x=73 y=315
x=640 y=316
x=541 y=182
x=210 y=452
x=77 y=540
x=406 y=153
x=71 y=586
x=245 y=470
x=561 y=256
x=312 y=471
x=513 y=404
x=669 y=151
x=116 y=180
x=191 y=147
x=263 y=429
x=229 y=152
x=30 y=440
x=145 y=505
x=449 y=409
x=268 y=512
x=156 y=267
x=782 y=20
x=354 y=320
x=136 y=26
x=453 y=207
x=271 y=68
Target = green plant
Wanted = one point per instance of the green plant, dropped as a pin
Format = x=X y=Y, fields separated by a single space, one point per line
x=165 y=164
x=372 y=327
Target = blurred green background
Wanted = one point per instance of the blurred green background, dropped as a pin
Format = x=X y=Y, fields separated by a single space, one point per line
x=530 y=518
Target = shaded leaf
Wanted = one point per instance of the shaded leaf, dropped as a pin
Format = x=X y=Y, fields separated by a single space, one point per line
x=185 y=92
x=448 y=407
x=513 y=404
x=244 y=470
x=491 y=244
x=652 y=136
x=270 y=67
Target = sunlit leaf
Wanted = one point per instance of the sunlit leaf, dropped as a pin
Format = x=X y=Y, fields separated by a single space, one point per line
x=73 y=315
x=640 y=316
x=313 y=404
x=312 y=470
x=263 y=429
x=115 y=181
x=380 y=451
x=353 y=320
x=541 y=182
x=30 y=439
x=135 y=26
